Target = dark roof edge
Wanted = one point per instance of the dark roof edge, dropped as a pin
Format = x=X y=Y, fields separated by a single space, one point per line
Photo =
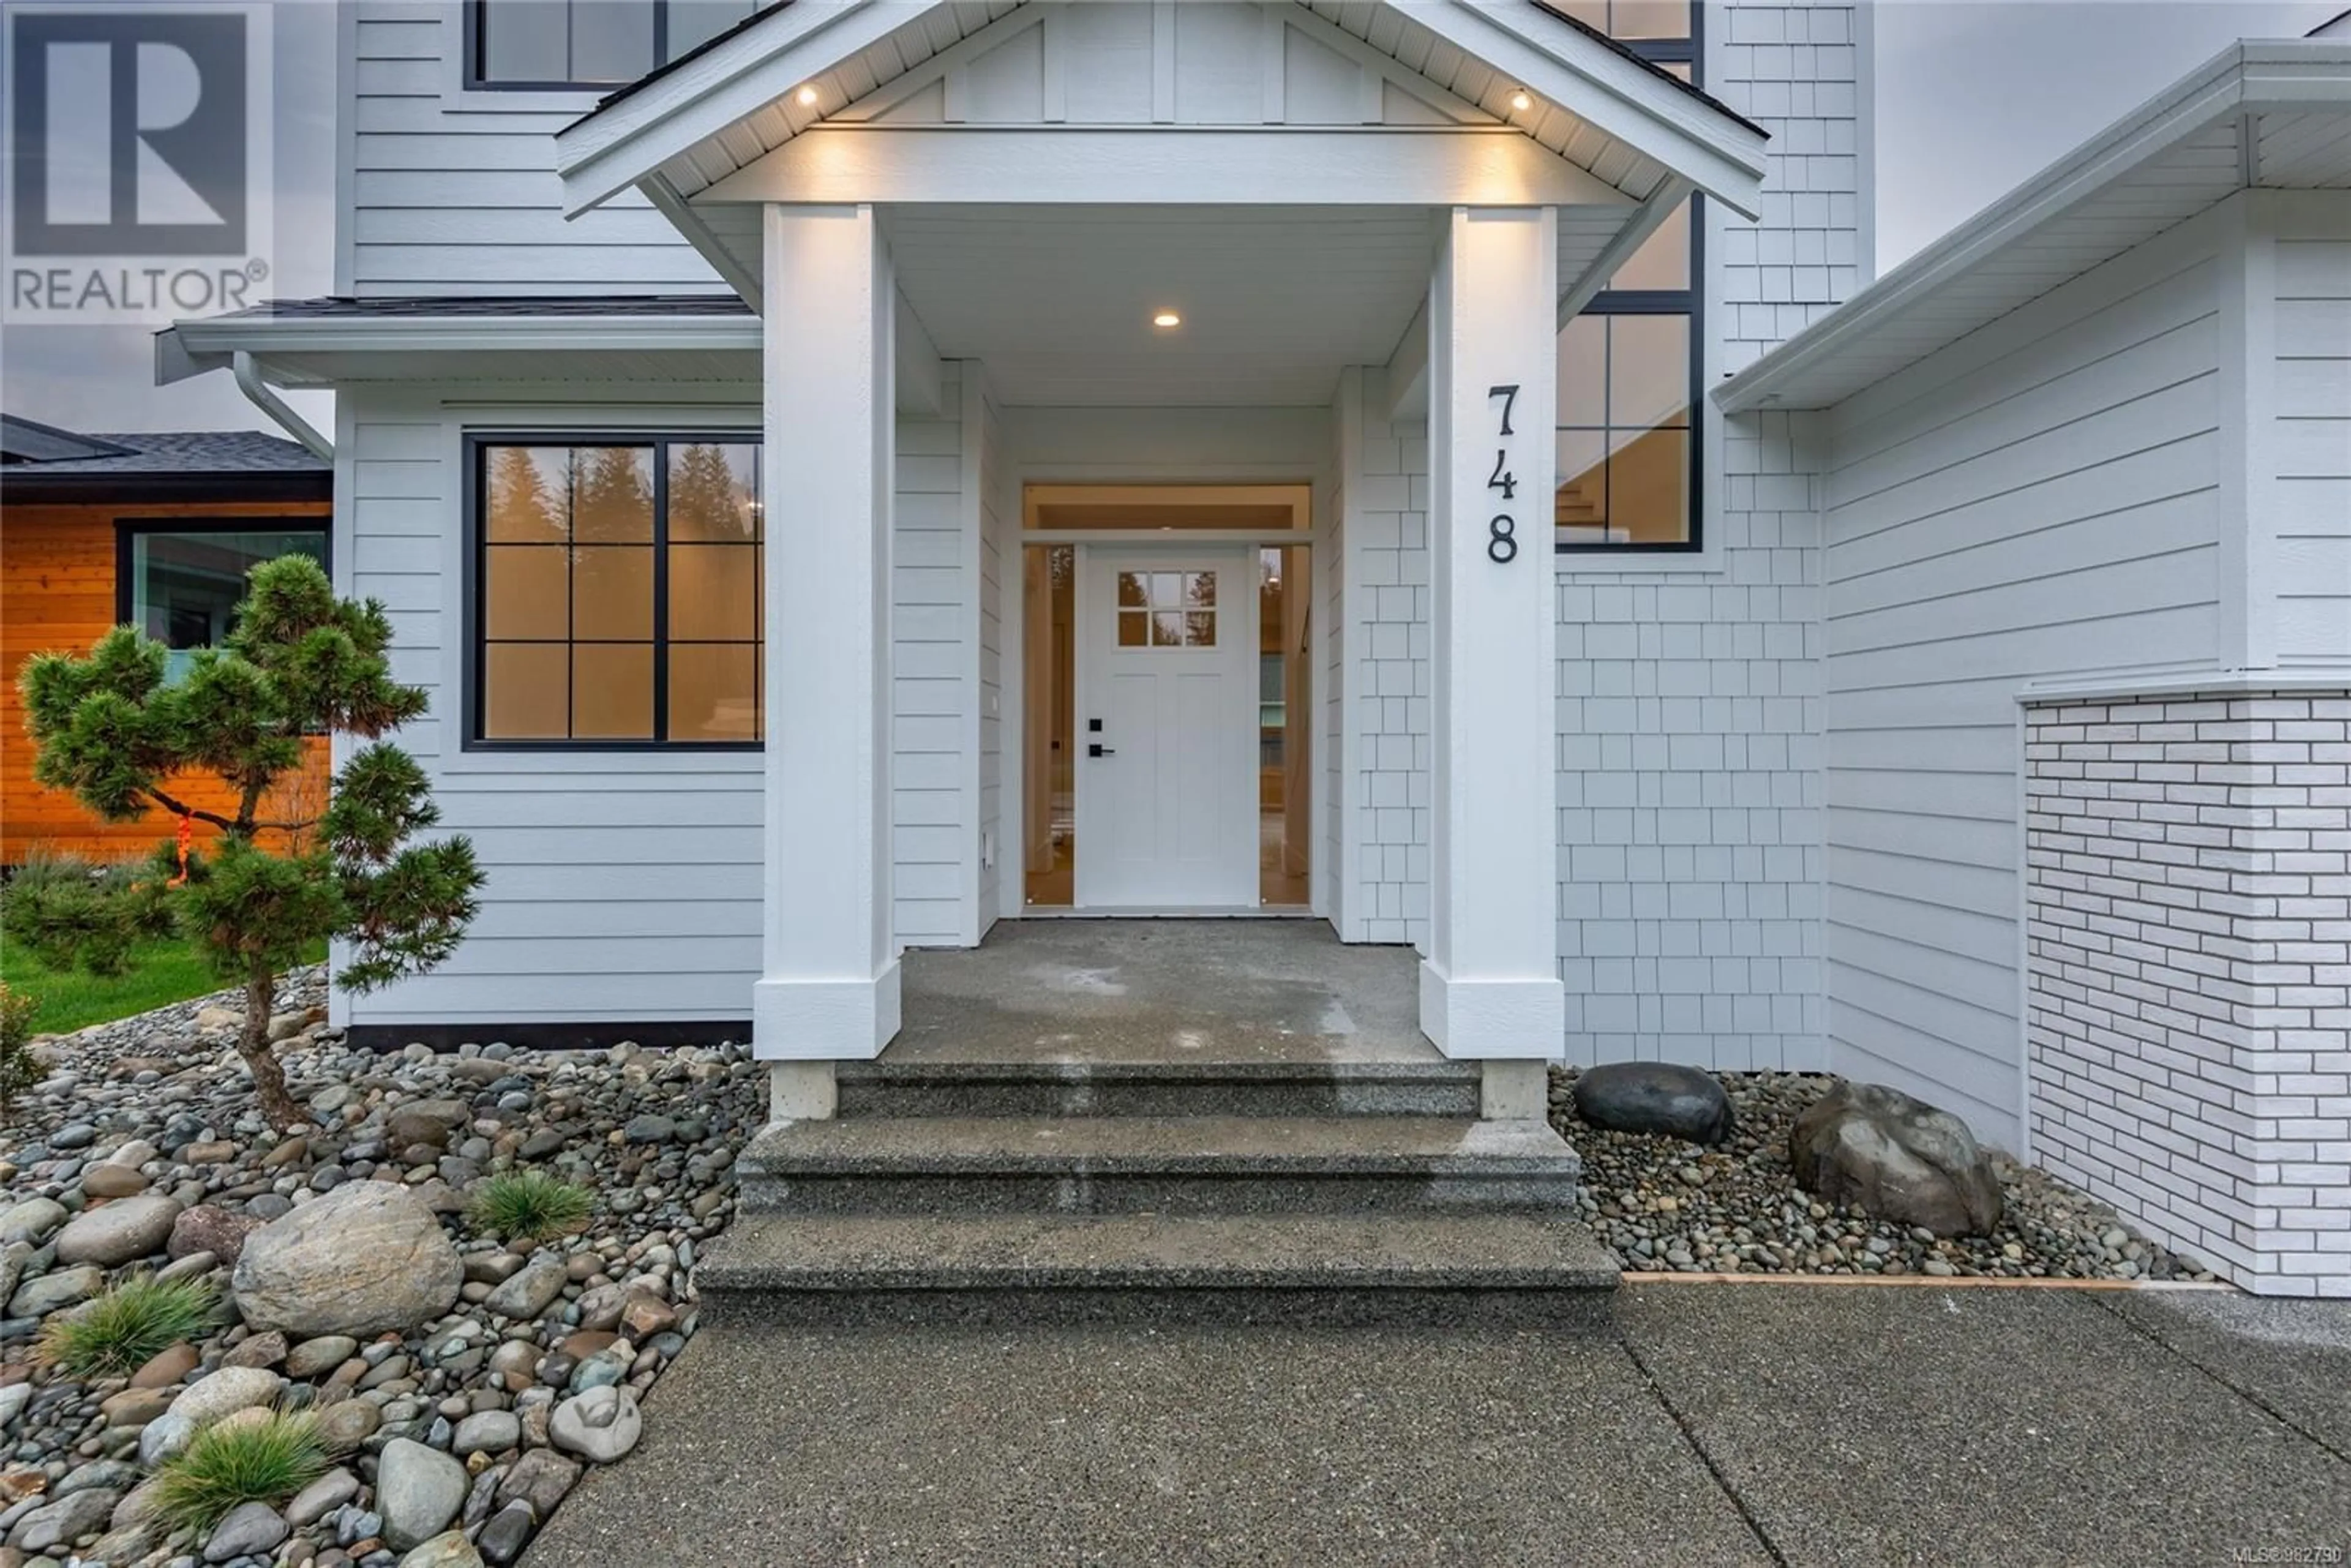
x=1618 y=47
x=696 y=53
x=22 y=488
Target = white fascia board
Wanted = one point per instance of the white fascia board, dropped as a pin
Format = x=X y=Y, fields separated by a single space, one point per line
x=1709 y=147
x=614 y=147
x=2259 y=77
x=265 y=336
x=1166 y=165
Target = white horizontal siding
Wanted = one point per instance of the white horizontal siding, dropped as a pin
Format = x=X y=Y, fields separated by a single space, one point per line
x=934 y=665
x=451 y=192
x=2310 y=445
x=627 y=886
x=2043 y=498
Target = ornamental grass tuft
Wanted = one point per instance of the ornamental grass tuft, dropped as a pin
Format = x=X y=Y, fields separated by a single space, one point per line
x=248 y=1461
x=128 y=1326
x=527 y=1206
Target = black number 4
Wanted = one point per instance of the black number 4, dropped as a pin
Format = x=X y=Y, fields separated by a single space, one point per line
x=1509 y=396
x=1499 y=480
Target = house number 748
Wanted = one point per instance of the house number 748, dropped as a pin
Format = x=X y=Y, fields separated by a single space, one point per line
x=1502 y=531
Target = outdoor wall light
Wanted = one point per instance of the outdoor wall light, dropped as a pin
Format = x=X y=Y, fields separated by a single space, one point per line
x=1168 y=319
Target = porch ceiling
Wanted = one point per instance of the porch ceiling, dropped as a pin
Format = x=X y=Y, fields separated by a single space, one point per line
x=1057 y=302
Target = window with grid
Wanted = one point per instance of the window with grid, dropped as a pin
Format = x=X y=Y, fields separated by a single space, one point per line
x=560 y=44
x=619 y=592
x=1629 y=364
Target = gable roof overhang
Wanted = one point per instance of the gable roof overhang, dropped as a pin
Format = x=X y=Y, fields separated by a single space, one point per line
x=2261 y=114
x=1607 y=135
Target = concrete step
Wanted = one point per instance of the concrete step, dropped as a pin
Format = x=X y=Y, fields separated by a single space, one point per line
x=1114 y=1164
x=1288 y=1267
x=904 y=1087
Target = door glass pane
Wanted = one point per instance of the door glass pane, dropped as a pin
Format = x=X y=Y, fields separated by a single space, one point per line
x=1166 y=589
x=1133 y=629
x=1200 y=588
x=1166 y=628
x=1200 y=628
x=612 y=40
x=1134 y=591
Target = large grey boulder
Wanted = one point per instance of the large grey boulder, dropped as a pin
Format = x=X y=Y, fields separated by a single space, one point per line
x=1654 y=1097
x=119 y=1232
x=364 y=1259
x=418 y=1490
x=1896 y=1157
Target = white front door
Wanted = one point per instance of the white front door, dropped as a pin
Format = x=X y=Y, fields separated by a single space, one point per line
x=1166 y=729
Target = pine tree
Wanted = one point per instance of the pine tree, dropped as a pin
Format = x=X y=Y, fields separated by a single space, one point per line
x=111 y=729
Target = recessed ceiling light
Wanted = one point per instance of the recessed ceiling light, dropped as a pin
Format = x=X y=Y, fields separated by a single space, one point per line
x=1521 y=102
x=808 y=98
x=1168 y=319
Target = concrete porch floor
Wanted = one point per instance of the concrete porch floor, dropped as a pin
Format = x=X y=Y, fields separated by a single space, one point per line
x=1765 y=1423
x=1128 y=990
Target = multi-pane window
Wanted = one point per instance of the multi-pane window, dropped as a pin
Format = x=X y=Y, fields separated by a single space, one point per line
x=180 y=582
x=1166 y=609
x=619 y=597
x=588 y=43
x=1629 y=372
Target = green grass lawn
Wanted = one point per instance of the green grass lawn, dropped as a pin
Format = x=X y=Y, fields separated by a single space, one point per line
x=160 y=973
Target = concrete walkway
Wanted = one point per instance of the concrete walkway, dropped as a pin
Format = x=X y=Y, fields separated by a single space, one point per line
x=1749 y=1423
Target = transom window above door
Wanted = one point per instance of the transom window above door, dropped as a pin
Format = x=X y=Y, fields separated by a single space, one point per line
x=1166 y=609
x=556 y=44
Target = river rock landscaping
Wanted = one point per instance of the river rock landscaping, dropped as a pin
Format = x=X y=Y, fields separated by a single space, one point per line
x=1666 y=1205
x=458 y=1381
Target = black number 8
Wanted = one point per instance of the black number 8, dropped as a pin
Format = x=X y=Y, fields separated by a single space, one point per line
x=1501 y=540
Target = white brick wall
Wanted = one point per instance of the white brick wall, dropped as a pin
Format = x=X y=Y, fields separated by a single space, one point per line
x=2189 y=955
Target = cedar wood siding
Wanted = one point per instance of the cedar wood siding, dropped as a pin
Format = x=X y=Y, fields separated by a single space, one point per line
x=58 y=594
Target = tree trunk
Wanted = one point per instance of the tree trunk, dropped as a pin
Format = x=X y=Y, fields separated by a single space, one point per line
x=261 y=1057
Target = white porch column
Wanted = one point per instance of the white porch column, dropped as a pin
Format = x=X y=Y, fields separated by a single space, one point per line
x=1489 y=988
x=829 y=990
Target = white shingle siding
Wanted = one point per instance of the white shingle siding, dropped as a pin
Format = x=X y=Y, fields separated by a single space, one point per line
x=1386 y=548
x=1796 y=69
x=2189 y=961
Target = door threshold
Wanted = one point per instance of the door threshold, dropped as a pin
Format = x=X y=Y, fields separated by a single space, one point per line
x=1167 y=912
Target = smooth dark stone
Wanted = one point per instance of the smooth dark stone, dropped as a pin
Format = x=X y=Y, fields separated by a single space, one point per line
x=1654 y=1097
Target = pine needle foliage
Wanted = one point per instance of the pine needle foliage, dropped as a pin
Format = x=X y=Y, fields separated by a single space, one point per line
x=111 y=729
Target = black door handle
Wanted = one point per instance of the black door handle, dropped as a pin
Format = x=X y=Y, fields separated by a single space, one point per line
x=1099 y=750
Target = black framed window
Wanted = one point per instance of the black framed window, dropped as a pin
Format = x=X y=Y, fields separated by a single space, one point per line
x=180 y=580
x=560 y=44
x=1631 y=364
x=617 y=593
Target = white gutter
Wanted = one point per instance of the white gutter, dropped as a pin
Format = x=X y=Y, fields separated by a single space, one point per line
x=264 y=398
x=468 y=334
x=2255 y=75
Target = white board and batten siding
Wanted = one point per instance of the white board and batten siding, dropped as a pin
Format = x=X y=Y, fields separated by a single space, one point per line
x=2309 y=445
x=2041 y=500
x=626 y=885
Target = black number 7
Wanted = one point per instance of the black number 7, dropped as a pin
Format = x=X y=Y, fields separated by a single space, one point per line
x=1509 y=396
